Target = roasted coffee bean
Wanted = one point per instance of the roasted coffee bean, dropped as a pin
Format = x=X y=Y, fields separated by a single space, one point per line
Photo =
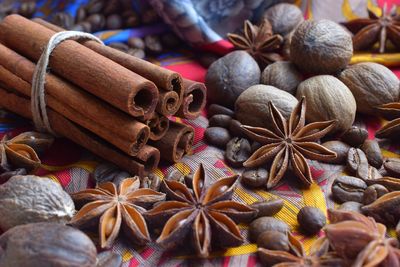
x=340 y=148
x=357 y=162
x=273 y=240
x=80 y=14
x=373 y=192
x=175 y=175
x=120 y=46
x=235 y=128
x=136 y=42
x=149 y=16
x=268 y=207
x=351 y=206
x=109 y=259
x=64 y=20
x=139 y=53
x=114 y=22
x=255 y=177
x=355 y=136
x=97 y=21
x=392 y=166
x=215 y=109
x=373 y=153
x=153 y=44
x=84 y=26
x=189 y=180
x=131 y=20
x=170 y=40
x=151 y=181
x=254 y=146
x=94 y=6
x=238 y=150
x=262 y=224
x=348 y=188
x=219 y=120
x=217 y=136
x=112 y=7
x=373 y=173
x=311 y=220
x=27 y=9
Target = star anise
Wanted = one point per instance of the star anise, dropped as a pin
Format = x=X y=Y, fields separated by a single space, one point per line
x=360 y=240
x=392 y=128
x=319 y=255
x=205 y=215
x=259 y=41
x=112 y=209
x=369 y=31
x=288 y=143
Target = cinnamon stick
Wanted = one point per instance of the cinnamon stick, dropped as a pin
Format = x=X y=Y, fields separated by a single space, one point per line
x=168 y=103
x=176 y=142
x=159 y=125
x=97 y=74
x=66 y=128
x=194 y=99
x=102 y=119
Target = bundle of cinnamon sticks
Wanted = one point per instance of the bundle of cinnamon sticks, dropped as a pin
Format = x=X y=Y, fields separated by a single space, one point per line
x=109 y=102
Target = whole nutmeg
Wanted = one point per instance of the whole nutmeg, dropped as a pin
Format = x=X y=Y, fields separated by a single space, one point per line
x=372 y=85
x=283 y=17
x=229 y=76
x=46 y=244
x=321 y=47
x=28 y=199
x=283 y=75
x=251 y=107
x=340 y=148
x=328 y=99
x=311 y=220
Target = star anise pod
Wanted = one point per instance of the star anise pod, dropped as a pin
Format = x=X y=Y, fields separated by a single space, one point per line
x=369 y=31
x=288 y=143
x=392 y=128
x=385 y=209
x=360 y=240
x=205 y=215
x=259 y=42
x=113 y=209
x=21 y=151
x=319 y=255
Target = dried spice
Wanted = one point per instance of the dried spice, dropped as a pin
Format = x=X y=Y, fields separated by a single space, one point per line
x=311 y=220
x=385 y=209
x=283 y=17
x=262 y=224
x=268 y=207
x=392 y=128
x=368 y=31
x=205 y=215
x=287 y=143
x=259 y=41
x=114 y=209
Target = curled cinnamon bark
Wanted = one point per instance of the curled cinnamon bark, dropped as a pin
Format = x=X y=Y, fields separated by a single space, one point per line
x=168 y=103
x=194 y=99
x=95 y=73
x=159 y=125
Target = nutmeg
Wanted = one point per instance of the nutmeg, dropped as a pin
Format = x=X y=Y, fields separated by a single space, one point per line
x=251 y=107
x=229 y=76
x=283 y=75
x=328 y=99
x=283 y=17
x=321 y=47
x=372 y=85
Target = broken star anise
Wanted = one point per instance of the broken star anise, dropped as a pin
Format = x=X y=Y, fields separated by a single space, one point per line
x=289 y=142
x=113 y=209
x=206 y=216
x=259 y=42
x=369 y=31
x=392 y=128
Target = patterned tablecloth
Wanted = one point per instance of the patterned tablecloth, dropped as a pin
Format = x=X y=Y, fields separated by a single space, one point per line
x=72 y=166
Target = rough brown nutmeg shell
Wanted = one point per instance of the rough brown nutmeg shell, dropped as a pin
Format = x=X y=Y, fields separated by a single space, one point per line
x=251 y=107
x=321 y=47
x=283 y=17
x=283 y=75
x=229 y=76
x=328 y=99
x=372 y=85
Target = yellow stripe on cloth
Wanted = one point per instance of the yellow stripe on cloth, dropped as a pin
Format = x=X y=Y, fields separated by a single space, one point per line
x=347 y=11
x=389 y=154
x=387 y=59
x=126 y=256
x=87 y=165
x=241 y=250
x=374 y=8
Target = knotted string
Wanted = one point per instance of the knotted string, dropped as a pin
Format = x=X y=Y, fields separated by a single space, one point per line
x=38 y=101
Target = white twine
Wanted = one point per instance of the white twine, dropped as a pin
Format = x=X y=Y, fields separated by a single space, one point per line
x=38 y=101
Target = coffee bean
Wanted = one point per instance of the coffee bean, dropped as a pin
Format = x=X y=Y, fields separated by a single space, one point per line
x=136 y=42
x=373 y=173
x=64 y=20
x=311 y=220
x=149 y=16
x=27 y=9
x=262 y=224
x=373 y=192
x=392 y=166
x=273 y=240
x=82 y=26
x=217 y=136
x=357 y=162
x=94 y=6
x=237 y=151
x=80 y=14
x=131 y=19
x=355 y=136
x=112 y=7
x=114 y=22
x=97 y=21
x=214 y=109
x=153 y=44
x=189 y=180
x=351 y=206
x=255 y=177
x=220 y=120
x=373 y=152
x=175 y=175
x=120 y=46
x=235 y=128
x=340 y=148
x=348 y=188
x=170 y=40
x=268 y=207
x=139 y=53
